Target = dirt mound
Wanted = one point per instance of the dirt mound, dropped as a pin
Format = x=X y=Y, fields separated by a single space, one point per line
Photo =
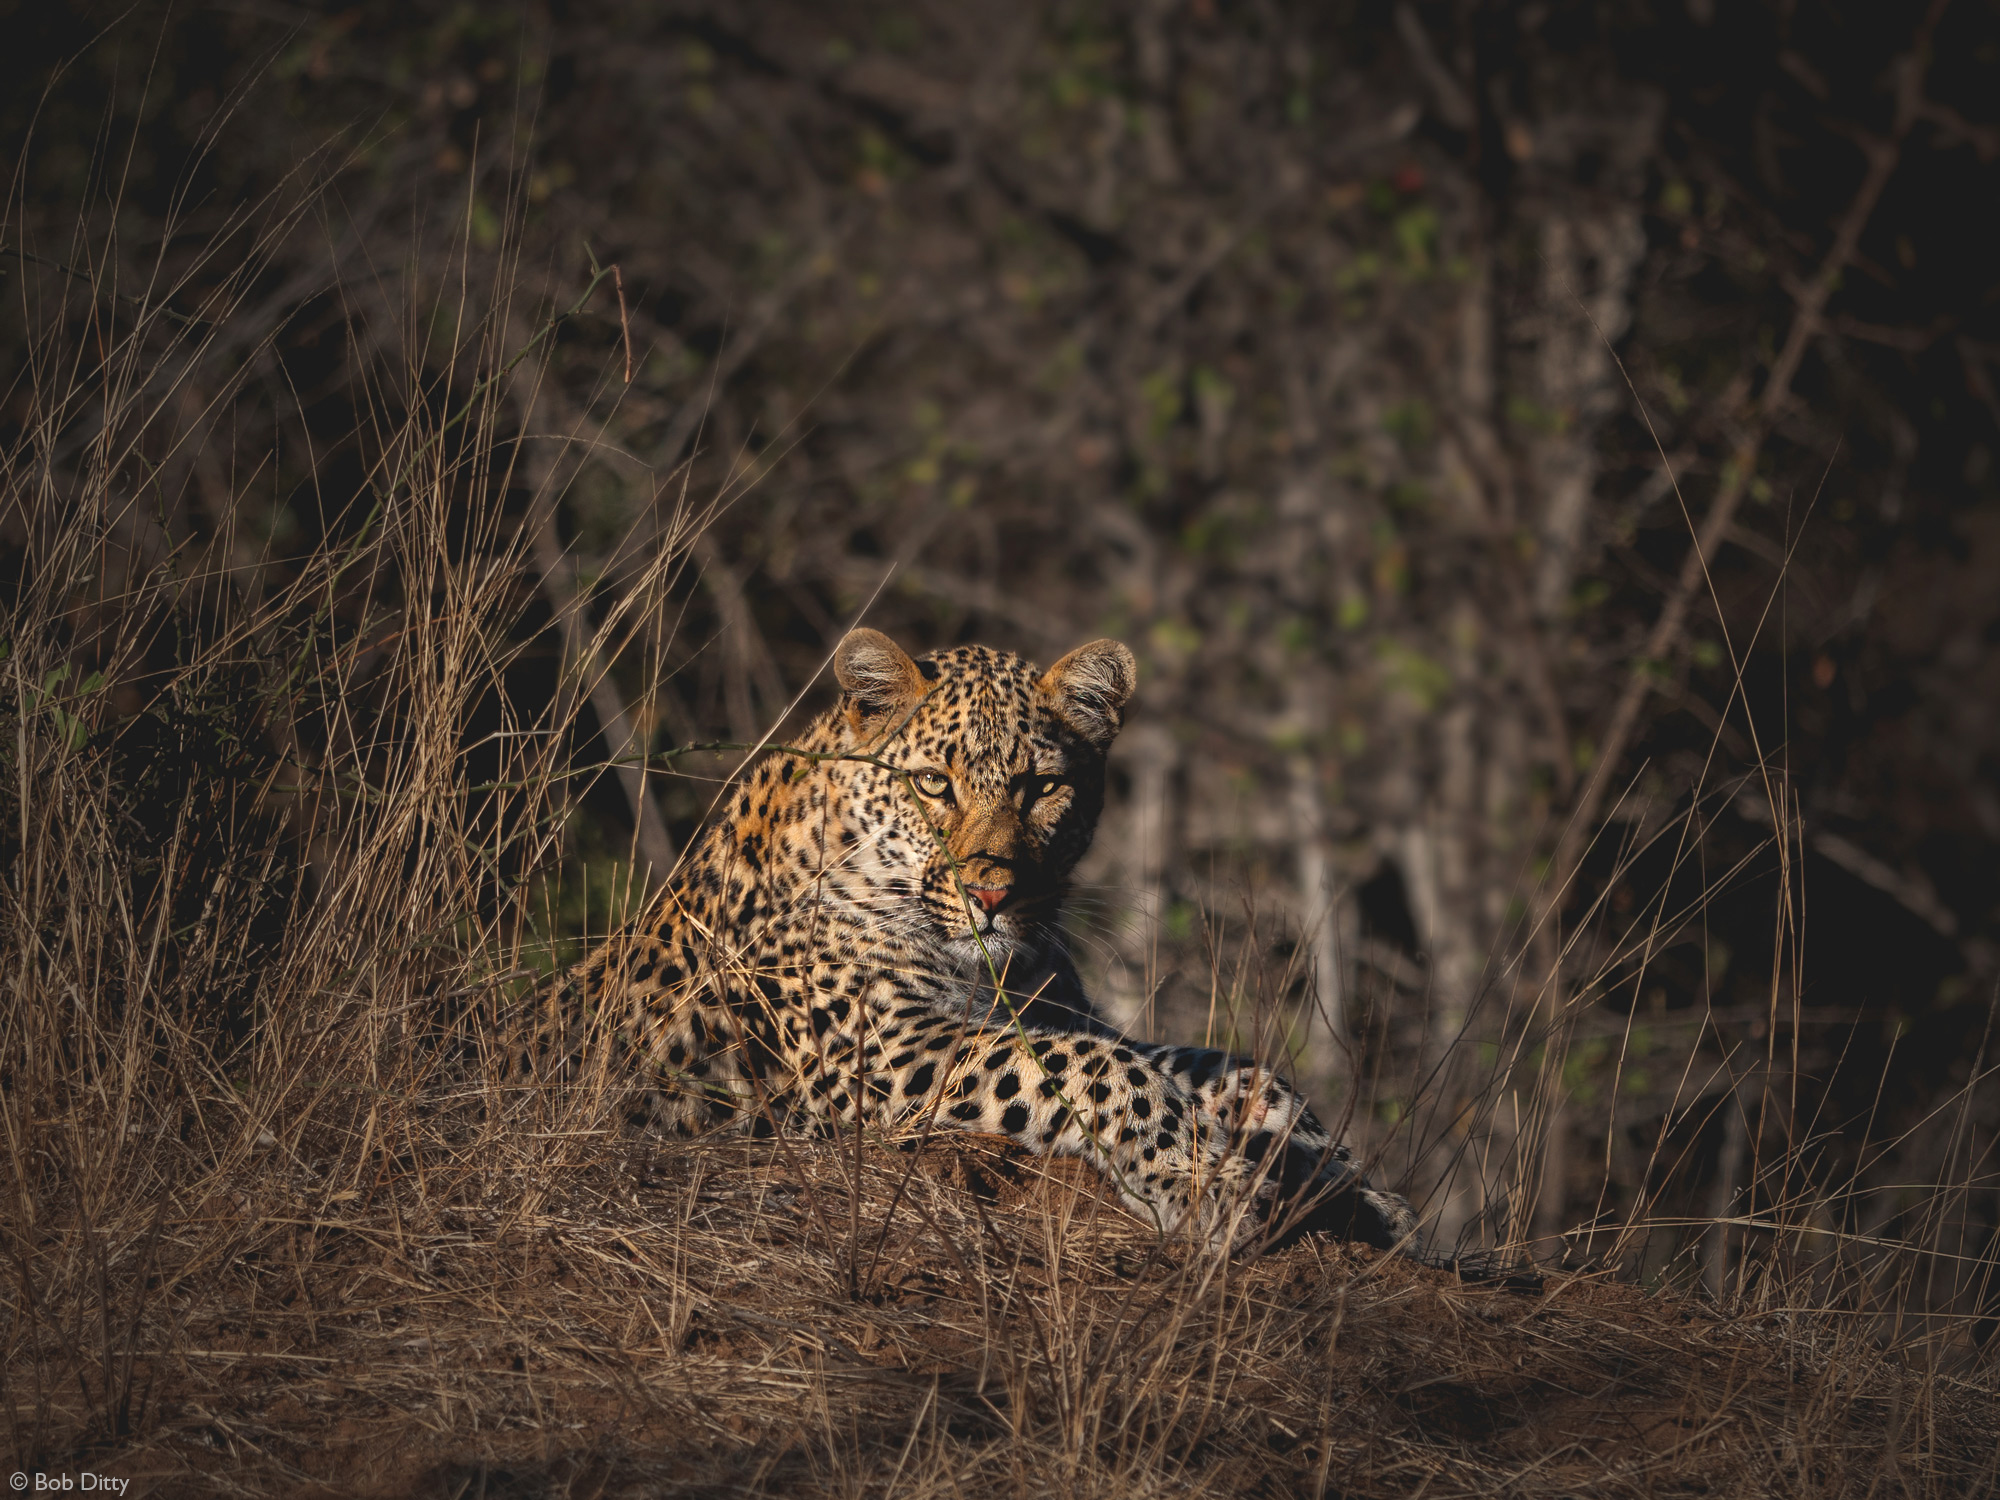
x=784 y=1317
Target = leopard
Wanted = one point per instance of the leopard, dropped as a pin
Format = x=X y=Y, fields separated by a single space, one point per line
x=867 y=933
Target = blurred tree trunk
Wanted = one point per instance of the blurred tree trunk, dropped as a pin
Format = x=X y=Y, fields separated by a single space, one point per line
x=1323 y=1040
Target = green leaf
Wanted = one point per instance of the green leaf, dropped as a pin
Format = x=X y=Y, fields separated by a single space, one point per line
x=72 y=729
x=1423 y=679
x=1162 y=390
x=1416 y=235
x=1411 y=423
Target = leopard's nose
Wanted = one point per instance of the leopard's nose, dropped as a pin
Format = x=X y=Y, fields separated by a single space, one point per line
x=987 y=896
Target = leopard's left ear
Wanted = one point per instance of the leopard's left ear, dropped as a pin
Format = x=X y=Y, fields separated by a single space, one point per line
x=878 y=677
x=1090 y=687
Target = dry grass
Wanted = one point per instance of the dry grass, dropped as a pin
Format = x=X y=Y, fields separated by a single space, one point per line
x=781 y=1318
x=274 y=841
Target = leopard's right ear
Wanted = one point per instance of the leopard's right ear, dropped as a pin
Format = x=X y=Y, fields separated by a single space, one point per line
x=878 y=677
x=1090 y=688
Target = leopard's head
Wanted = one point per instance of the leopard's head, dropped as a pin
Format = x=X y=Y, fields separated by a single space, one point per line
x=982 y=787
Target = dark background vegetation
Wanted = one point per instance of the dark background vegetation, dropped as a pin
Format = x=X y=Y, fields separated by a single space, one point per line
x=1368 y=368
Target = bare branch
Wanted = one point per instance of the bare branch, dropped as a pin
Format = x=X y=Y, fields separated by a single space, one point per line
x=1883 y=157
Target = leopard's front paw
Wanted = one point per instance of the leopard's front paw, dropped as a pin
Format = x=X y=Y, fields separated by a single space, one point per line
x=1312 y=1187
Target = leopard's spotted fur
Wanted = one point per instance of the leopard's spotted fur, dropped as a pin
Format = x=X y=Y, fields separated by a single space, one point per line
x=830 y=947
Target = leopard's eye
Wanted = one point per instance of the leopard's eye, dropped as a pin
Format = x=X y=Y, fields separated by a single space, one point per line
x=1049 y=787
x=933 y=783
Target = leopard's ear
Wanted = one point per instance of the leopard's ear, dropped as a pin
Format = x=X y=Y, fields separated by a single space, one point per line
x=1090 y=687
x=877 y=675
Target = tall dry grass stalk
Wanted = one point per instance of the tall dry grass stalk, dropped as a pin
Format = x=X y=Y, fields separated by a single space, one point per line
x=275 y=823
x=1742 y=1178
